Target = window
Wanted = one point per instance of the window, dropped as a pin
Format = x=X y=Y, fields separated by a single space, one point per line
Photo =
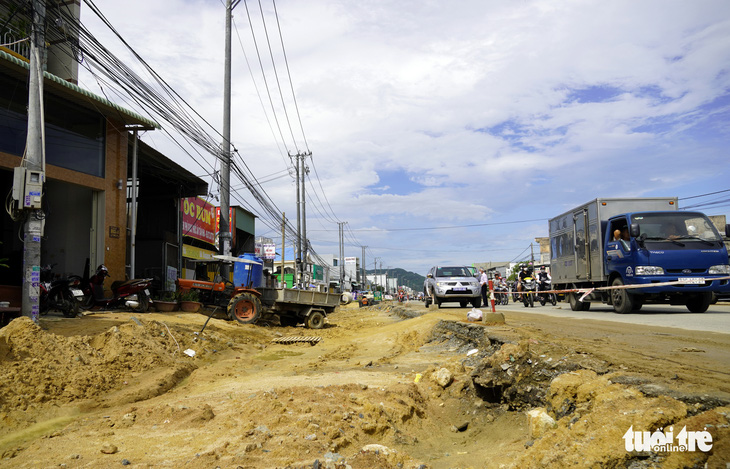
x=75 y=136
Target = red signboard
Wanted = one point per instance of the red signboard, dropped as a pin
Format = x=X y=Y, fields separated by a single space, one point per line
x=231 y=222
x=198 y=219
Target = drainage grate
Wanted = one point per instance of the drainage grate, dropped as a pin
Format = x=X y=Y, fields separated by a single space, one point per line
x=297 y=340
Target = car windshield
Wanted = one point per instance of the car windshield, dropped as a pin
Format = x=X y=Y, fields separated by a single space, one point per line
x=453 y=272
x=687 y=226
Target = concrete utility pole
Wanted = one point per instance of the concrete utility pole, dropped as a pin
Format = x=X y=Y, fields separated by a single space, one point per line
x=341 y=226
x=364 y=279
x=34 y=161
x=532 y=255
x=302 y=173
x=283 y=248
x=224 y=230
x=298 y=255
x=302 y=244
x=133 y=234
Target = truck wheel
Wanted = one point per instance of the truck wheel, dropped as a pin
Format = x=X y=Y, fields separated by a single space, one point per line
x=576 y=305
x=245 y=308
x=315 y=320
x=621 y=298
x=699 y=303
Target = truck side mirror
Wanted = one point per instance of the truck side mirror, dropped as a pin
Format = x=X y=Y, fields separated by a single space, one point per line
x=635 y=230
x=727 y=231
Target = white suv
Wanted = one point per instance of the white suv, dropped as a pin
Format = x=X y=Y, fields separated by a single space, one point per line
x=456 y=284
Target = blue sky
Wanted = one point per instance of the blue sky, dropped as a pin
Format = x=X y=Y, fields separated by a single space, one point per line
x=450 y=132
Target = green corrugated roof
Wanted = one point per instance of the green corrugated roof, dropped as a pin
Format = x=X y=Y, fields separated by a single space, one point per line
x=98 y=99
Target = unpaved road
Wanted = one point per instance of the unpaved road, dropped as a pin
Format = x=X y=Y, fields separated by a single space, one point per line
x=116 y=389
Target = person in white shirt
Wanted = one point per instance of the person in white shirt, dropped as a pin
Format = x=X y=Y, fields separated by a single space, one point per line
x=484 y=282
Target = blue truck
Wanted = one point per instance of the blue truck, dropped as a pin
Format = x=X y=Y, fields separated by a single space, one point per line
x=627 y=252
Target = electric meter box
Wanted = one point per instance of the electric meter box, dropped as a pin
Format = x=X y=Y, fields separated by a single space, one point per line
x=27 y=187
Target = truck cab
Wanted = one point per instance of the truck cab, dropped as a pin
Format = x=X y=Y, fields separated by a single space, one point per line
x=682 y=248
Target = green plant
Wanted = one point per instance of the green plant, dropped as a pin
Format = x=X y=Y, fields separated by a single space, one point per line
x=166 y=296
x=189 y=295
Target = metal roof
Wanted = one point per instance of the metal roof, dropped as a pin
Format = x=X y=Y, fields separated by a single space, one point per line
x=77 y=94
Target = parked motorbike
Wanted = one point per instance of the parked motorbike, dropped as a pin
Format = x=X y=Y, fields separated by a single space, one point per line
x=546 y=297
x=528 y=291
x=63 y=294
x=133 y=294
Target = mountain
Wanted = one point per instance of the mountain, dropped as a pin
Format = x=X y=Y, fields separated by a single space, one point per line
x=409 y=279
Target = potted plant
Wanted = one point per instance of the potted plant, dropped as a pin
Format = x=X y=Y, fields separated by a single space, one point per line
x=165 y=302
x=189 y=301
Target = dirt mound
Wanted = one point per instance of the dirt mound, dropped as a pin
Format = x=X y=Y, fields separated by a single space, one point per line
x=39 y=369
x=593 y=416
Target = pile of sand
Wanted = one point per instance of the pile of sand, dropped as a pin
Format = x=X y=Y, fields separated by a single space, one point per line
x=38 y=368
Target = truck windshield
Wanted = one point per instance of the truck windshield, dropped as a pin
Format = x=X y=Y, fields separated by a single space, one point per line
x=676 y=226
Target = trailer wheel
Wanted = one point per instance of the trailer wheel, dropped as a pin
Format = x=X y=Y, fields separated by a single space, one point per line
x=622 y=303
x=315 y=320
x=245 y=308
x=699 y=303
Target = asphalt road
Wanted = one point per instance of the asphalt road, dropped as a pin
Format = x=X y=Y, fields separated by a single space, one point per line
x=716 y=319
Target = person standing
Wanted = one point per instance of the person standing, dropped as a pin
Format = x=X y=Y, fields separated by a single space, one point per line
x=484 y=282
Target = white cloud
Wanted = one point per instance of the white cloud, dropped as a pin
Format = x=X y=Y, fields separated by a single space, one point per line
x=470 y=99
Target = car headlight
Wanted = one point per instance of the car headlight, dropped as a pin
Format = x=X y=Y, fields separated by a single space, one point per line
x=649 y=270
x=720 y=269
x=441 y=284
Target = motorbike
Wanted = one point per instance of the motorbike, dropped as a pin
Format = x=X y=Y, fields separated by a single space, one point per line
x=133 y=294
x=515 y=294
x=528 y=291
x=63 y=294
x=501 y=295
x=543 y=297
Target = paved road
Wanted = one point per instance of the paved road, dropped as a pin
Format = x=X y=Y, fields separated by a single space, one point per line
x=716 y=319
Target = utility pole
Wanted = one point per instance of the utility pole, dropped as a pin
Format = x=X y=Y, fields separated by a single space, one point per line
x=364 y=279
x=341 y=226
x=224 y=231
x=298 y=256
x=375 y=265
x=532 y=256
x=302 y=245
x=305 y=242
x=34 y=161
x=283 y=247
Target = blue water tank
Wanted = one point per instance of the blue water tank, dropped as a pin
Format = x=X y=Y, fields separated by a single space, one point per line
x=249 y=274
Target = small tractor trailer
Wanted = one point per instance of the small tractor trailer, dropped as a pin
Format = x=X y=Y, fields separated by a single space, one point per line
x=626 y=252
